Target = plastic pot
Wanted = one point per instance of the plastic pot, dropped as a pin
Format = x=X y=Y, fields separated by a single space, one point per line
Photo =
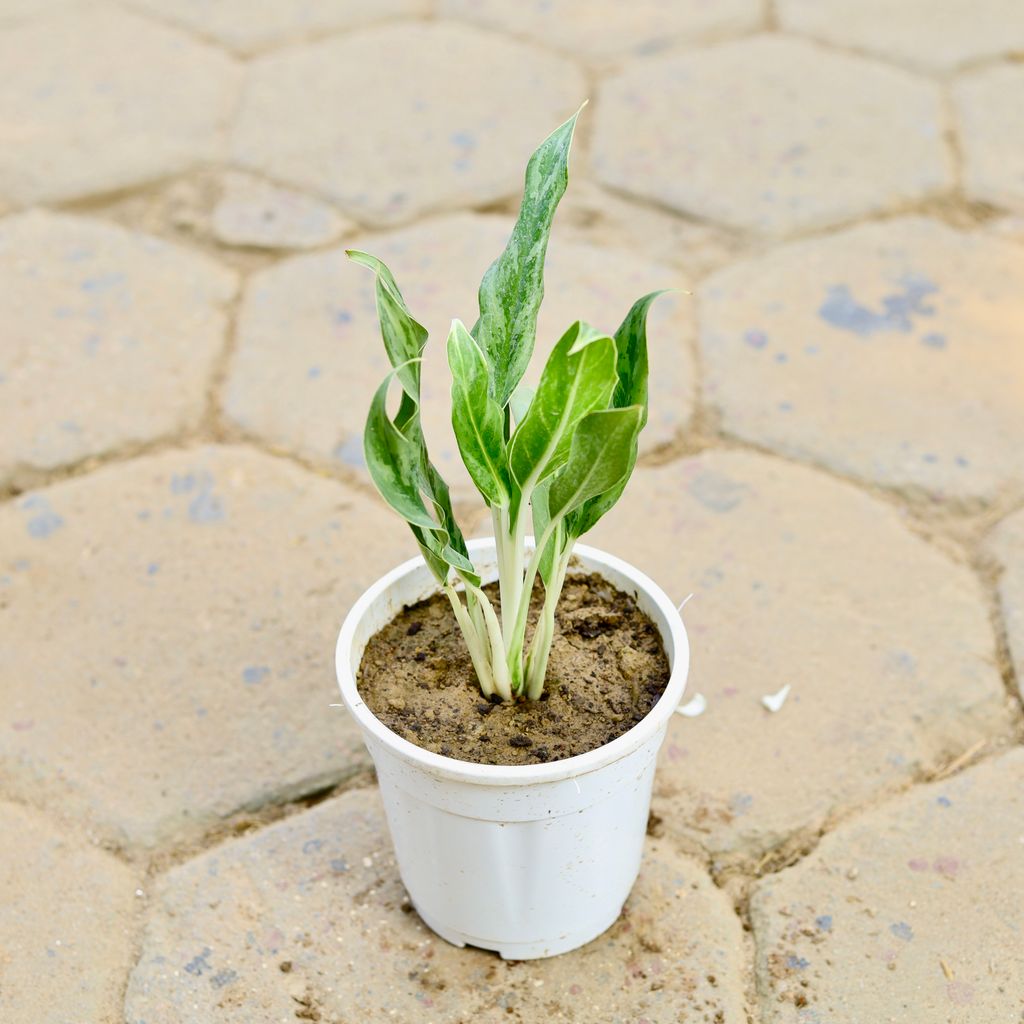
x=527 y=860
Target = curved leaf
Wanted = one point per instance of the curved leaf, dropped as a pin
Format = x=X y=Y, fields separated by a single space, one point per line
x=600 y=457
x=578 y=378
x=630 y=389
x=513 y=286
x=477 y=418
x=404 y=337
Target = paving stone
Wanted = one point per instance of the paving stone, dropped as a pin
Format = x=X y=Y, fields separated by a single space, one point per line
x=305 y=919
x=66 y=928
x=176 y=617
x=592 y=214
x=1010 y=227
x=887 y=352
x=255 y=213
x=804 y=581
x=101 y=100
x=771 y=134
x=608 y=29
x=933 y=36
x=992 y=133
x=111 y=342
x=247 y=27
x=309 y=353
x=1006 y=545
x=908 y=914
x=12 y=11
x=454 y=128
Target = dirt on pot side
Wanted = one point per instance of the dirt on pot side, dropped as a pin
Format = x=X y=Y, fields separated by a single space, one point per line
x=607 y=670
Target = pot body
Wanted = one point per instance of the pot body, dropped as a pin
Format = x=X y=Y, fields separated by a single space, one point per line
x=527 y=860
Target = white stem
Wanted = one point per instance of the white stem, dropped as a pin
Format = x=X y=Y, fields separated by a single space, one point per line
x=499 y=520
x=540 y=647
x=499 y=664
x=474 y=641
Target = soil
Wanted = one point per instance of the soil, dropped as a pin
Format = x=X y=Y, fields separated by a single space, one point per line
x=606 y=671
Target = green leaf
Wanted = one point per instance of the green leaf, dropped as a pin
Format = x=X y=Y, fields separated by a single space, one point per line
x=446 y=540
x=600 y=457
x=396 y=456
x=630 y=389
x=477 y=418
x=632 y=367
x=578 y=378
x=404 y=337
x=512 y=288
x=393 y=461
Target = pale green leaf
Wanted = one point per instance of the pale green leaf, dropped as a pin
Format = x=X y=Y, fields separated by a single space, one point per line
x=404 y=337
x=578 y=377
x=600 y=457
x=630 y=389
x=393 y=461
x=477 y=418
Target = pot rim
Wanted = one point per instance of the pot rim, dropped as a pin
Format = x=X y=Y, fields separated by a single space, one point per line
x=518 y=775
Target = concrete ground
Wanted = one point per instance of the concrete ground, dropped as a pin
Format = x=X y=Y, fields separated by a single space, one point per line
x=834 y=467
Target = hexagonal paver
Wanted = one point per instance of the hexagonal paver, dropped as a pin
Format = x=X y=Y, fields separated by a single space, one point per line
x=257 y=214
x=175 y=621
x=771 y=134
x=888 y=352
x=935 y=35
x=309 y=353
x=992 y=133
x=102 y=100
x=608 y=28
x=111 y=342
x=908 y=914
x=803 y=581
x=66 y=925
x=305 y=919
x=453 y=128
x=247 y=27
x=1006 y=546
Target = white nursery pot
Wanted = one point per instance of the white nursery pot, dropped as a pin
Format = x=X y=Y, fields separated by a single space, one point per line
x=527 y=860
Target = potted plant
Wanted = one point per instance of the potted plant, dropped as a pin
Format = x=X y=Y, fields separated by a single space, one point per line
x=516 y=786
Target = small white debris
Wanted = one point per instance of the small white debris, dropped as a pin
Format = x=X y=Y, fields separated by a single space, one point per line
x=774 y=701
x=691 y=709
x=682 y=604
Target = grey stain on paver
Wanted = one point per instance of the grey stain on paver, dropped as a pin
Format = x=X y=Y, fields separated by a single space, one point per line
x=42 y=520
x=841 y=309
x=879 y=386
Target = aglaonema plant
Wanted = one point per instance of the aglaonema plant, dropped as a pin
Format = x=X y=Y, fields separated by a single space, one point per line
x=557 y=458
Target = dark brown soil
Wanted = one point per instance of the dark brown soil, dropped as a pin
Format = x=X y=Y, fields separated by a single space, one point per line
x=607 y=670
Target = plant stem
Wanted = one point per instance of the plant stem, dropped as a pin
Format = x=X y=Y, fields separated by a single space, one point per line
x=499 y=664
x=540 y=647
x=474 y=641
